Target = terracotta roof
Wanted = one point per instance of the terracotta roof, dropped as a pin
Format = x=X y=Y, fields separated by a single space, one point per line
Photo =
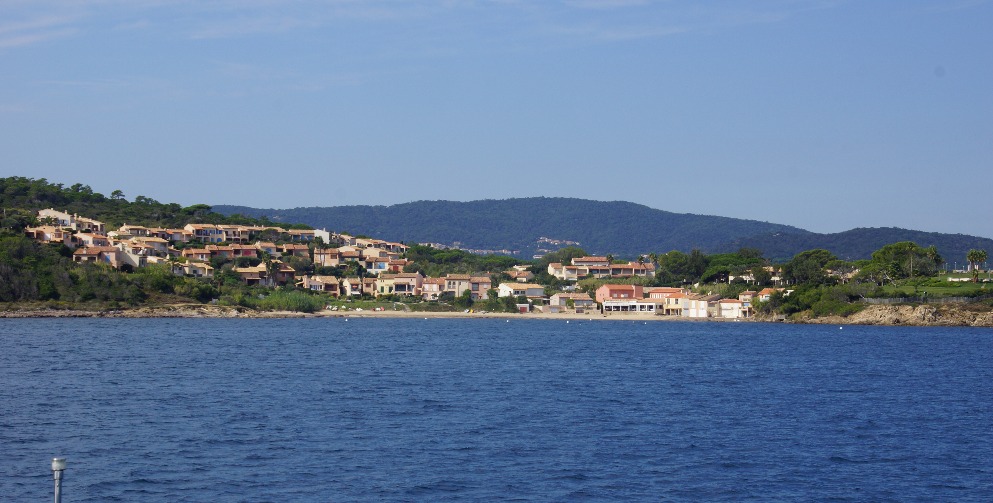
x=618 y=287
x=102 y=248
x=524 y=286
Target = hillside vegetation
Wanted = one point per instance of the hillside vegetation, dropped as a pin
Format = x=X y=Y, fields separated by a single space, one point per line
x=622 y=228
x=22 y=197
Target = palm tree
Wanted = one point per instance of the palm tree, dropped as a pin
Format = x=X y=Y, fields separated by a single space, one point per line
x=975 y=257
x=931 y=252
x=911 y=251
x=316 y=245
x=271 y=267
x=173 y=263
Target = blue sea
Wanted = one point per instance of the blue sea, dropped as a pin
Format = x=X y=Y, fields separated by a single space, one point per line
x=509 y=409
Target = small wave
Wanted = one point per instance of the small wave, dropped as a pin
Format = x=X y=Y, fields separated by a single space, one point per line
x=446 y=486
x=844 y=460
x=572 y=476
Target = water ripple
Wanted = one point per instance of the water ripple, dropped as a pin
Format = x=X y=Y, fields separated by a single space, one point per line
x=456 y=410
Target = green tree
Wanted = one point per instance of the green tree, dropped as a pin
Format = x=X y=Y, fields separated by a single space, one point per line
x=905 y=259
x=808 y=267
x=464 y=301
x=975 y=258
x=761 y=275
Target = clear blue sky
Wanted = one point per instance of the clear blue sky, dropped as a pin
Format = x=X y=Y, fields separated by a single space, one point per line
x=826 y=115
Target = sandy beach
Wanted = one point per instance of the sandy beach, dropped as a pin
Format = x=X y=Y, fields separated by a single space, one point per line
x=204 y=311
x=923 y=315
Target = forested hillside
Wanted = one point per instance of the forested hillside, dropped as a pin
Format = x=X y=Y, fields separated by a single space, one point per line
x=21 y=198
x=619 y=228
x=859 y=243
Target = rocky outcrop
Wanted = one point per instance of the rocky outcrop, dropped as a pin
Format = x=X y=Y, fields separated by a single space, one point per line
x=924 y=315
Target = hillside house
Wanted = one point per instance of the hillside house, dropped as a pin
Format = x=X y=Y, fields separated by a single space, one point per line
x=206 y=233
x=201 y=254
x=73 y=222
x=326 y=284
x=99 y=254
x=88 y=239
x=520 y=276
x=283 y=274
x=327 y=257
x=51 y=234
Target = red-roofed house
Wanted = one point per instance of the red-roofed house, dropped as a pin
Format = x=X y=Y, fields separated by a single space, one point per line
x=619 y=292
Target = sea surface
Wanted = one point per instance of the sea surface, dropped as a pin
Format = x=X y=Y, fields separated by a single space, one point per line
x=493 y=410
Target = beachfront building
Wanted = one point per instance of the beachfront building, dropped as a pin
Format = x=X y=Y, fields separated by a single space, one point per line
x=622 y=292
x=351 y=286
x=732 y=308
x=432 y=288
x=629 y=305
x=560 y=302
x=529 y=290
x=478 y=286
x=408 y=284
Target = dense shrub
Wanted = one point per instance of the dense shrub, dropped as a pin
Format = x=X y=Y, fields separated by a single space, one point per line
x=291 y=300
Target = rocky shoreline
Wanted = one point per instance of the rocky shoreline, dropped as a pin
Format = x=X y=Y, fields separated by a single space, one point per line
x=924 y=315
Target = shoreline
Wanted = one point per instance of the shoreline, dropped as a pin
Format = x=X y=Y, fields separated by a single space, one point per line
x=190 y=311
x=897 y=315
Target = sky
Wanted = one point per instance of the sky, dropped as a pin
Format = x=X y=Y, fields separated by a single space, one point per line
x=822 y=114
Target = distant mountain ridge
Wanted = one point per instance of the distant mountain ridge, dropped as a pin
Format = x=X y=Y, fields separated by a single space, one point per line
x=620 y=228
